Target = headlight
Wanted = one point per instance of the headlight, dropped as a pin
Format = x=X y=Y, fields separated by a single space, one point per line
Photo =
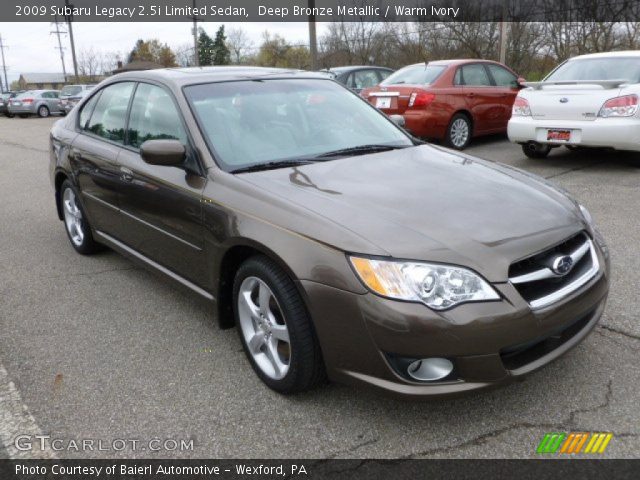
x=585 y=213
x=437 y=286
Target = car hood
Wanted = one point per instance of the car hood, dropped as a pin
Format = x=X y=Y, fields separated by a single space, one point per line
x=431 y=204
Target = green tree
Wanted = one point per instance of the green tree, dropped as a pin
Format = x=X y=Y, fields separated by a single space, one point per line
x=206 y=48
x=221 y=55
x=153 y=51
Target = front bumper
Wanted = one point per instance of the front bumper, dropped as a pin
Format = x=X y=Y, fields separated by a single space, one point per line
x=489 y=343
x=618 y=133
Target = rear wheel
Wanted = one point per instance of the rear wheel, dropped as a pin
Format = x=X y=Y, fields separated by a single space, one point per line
x=43 y=111
x=275 y=328
x=75 y=221
x=536 y=150
x=459 y=132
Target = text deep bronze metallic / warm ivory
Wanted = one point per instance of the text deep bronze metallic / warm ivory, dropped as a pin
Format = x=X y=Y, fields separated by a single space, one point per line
x=413 y=269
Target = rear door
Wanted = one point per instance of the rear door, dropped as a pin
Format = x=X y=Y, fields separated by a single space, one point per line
x=506 y=83
x=483 y=99
x=94 y=155
x=53 y=101
x=161 y=205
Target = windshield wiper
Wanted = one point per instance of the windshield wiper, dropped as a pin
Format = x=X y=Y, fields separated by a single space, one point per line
x=271 y=165
x=360 y=150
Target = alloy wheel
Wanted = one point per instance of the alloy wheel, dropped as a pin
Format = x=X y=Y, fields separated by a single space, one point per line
x=73 y=217
x=264 y=328
x=459 y=132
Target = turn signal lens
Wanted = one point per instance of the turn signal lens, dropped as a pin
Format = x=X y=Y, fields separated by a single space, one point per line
x=625 y=106
x=521 y=108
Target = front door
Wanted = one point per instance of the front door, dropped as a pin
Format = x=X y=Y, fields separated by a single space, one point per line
x=161 y=205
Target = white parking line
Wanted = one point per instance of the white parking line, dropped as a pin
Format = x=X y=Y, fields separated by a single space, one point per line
x=15 y=420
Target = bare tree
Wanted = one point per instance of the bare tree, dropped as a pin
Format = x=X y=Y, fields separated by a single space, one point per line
x=239 y=44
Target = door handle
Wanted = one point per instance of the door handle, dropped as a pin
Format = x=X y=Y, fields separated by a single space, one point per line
x=471 y=95
x=126 y=174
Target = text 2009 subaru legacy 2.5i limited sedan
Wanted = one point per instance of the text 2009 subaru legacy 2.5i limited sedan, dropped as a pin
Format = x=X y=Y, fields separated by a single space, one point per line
x=338 y=245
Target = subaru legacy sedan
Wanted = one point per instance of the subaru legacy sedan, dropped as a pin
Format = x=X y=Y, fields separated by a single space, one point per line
x=339 y=246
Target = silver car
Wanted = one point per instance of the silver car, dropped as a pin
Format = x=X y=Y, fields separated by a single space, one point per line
x=36 y=102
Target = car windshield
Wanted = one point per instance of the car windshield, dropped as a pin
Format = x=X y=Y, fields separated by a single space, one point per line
x=612 y=68
x=70 y=90
x=423 y=74
x=264 y=121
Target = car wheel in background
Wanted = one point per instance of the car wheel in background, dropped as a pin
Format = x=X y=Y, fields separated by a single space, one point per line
x=43 y=111
x=75 y=221
x=459 y=131
x=536 y=150
x=275 y=328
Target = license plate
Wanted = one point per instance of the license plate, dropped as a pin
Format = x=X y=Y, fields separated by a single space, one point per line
x=17 y=104
x=383 y=102
x=559 y=135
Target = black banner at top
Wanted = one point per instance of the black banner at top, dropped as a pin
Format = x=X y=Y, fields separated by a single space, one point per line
x=322 y=10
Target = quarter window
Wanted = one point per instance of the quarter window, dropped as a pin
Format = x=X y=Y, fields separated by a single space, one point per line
x=154 y=117
x=85 y=113
x=109 y=116
x=502 y=76
x=475 y=75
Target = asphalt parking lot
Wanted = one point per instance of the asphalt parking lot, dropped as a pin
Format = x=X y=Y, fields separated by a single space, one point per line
x=97 y=348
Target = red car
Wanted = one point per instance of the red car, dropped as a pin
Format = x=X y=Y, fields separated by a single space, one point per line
x=452 y=100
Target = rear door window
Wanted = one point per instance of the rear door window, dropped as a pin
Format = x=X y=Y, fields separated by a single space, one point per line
x=108 y=119
x=475 y=75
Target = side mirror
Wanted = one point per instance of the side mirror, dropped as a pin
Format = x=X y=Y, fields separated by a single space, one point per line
x=398 y=120
x=167 y=153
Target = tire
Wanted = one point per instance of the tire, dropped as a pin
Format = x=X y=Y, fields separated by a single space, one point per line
x=43 y=111
x=286 y=367
x=536 y=150
x=9 y=115
x=75 y=221
x=459 y=132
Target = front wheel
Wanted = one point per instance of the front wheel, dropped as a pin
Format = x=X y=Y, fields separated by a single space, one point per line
x=275 y=328
x=75 y=221
x=536 y=150
x=459 y=132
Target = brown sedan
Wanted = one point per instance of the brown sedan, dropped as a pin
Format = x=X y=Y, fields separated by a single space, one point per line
x=339 y=246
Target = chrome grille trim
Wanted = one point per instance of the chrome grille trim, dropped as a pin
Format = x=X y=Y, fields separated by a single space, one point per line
x=545 y=273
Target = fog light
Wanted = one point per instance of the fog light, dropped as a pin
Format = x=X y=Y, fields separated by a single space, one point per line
x=430 y=369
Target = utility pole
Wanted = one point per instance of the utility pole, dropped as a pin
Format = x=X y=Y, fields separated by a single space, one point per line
x=4 y=66
x=58 y=33
x=313 y=43
x=69 y=19
x=503 y=33
x=196 y=56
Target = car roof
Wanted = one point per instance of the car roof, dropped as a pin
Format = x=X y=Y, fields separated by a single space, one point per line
x=622 y=53
x=347 y=68
x=196 y=75
x=457 y=61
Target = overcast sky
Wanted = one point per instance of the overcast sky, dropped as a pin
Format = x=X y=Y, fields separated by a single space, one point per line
x=31 y=48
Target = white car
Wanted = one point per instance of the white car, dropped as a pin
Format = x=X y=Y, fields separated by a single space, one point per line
x=587 y=101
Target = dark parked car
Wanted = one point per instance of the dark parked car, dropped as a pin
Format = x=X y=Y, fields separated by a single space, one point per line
x=359 y=76
x=4 y=103
x=339 y=245
x=450 y=100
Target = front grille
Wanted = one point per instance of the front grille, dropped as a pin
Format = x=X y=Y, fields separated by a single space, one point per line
x=541 y=281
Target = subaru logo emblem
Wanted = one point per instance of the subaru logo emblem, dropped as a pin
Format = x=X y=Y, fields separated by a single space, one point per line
x=562 y=265
x=564 y=100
